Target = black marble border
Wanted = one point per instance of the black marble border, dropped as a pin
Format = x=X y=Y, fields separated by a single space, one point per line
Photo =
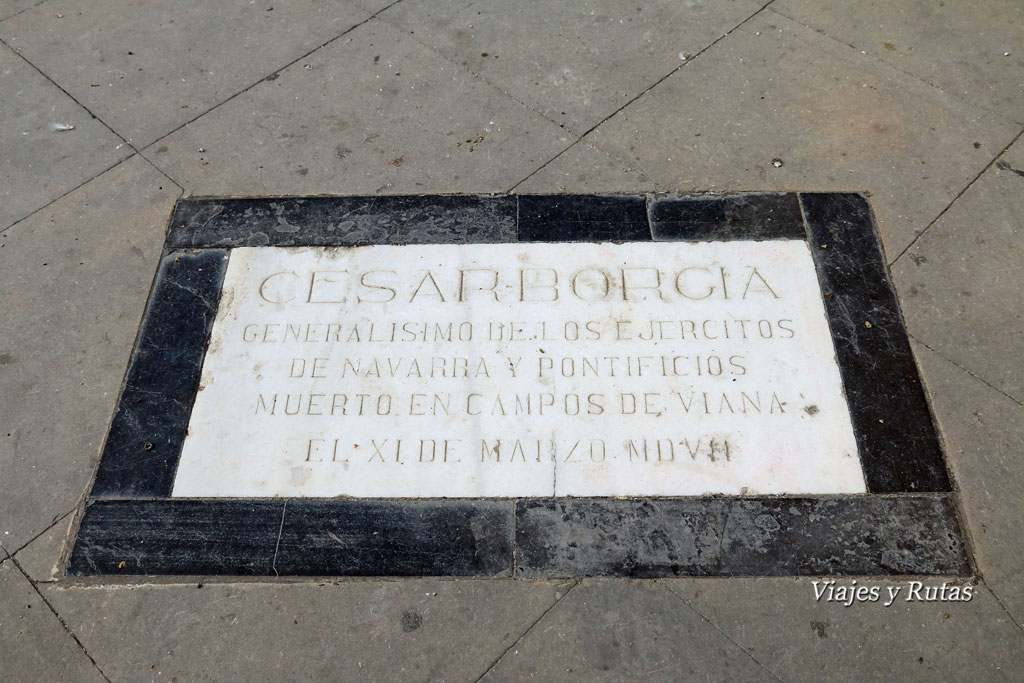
x=140 y=455
x=896 y=437
x=131 y=526
x=728 y=536
x=529 y=538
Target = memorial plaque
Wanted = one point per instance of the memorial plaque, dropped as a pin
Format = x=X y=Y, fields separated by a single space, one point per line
x=532 y=386
x=520 y=370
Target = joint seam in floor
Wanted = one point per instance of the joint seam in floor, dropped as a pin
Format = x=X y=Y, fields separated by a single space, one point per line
x=958 y=196
x=723 y=633
x=881 y=61
x=1000 y=603
x=23 y=10
x=255 y=83
x=643 y=92
x=63 y=623
x=526 y=632
x=123 y=139
x=980 y=379
x=57 y=520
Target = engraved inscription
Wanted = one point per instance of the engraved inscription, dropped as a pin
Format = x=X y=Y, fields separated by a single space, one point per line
x=520 y=370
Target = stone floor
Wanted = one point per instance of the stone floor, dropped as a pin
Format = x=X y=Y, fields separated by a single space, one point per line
x=920 y=104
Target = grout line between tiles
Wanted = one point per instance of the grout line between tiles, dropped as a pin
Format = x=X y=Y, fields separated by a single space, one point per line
x=63 y=623
x=277 y=69
x=890 y=65
x=957 y=197
x=526 y=632
x=724 y=634
x=641 y=94
x=954 y=363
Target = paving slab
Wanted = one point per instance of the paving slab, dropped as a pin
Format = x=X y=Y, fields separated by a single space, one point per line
x=973 y=51
x=41 y=164
x=960 y=284
x=584 y=168
x=416 y=630
x=617 y=630
x=146 y=67
x=75 y=278
x=984 y=435
x=375 y=5
x=833 y=118
x=11 y=7
x=41 y=558
x=576 y=63
x=34 y=646
x=779 y=623
x=374 y=112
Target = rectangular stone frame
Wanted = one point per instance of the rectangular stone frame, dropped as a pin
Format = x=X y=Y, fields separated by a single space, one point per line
x=906 y=524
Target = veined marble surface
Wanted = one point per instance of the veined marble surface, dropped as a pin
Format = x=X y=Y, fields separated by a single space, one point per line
x=664 y=369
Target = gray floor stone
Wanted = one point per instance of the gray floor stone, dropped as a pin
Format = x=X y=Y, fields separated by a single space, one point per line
x=34 y=646
x=836 y=119
x=958 y=47
x=375 y=5
x=9 y=8
x=574 y=62
x=781 y=625
x=80 y=272
x=585 y=169
x=372 y=112
x=146 y=67
x=960 y=284
x=40 y=559
x=415 y=630
x=623 y=630
x=984 y=438
x=39 y=164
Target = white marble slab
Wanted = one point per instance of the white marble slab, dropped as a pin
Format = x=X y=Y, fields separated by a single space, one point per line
x=520 y=370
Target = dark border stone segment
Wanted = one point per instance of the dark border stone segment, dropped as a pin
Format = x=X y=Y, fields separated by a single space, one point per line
x=146 y=434
x=869 y=535
x=735 y=217
x=191 y=537
x=396 y=538
x=583 y=218
x=899 y=448
x=343 y=221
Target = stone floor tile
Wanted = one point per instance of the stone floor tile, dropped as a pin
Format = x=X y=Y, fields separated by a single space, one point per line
x=958 y=47
x=9 y=8
x=960 y=284
x=984 y=437
x=779 y=623
x=39 y=164
x=586 y=169
x=34 y=646
x=375 y=5
x=372 y=112
x=836 y=120
x=624 y=630
x=146 y=67
x=75 y=278
x=411 y=630
x=576 y=63
x=40 y=559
